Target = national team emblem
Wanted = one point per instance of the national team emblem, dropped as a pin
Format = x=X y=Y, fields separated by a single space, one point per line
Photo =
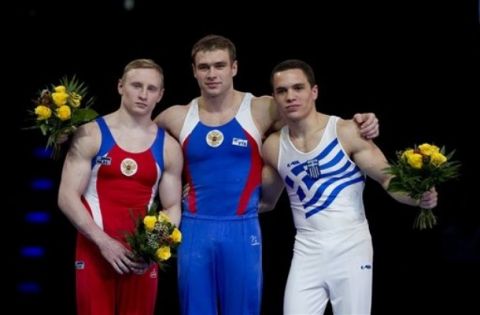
x=240 y=142
x=128 y=167
x=103 y=160
x=214 y=138
x=313 y=169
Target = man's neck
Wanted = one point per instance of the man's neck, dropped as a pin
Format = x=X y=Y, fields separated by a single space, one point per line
x=308 y=126
x=218 y=103
x=219 y=110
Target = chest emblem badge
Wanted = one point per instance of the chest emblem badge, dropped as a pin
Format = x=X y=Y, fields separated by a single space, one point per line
x=214 y=138
x=128 y=167
x=313 y=168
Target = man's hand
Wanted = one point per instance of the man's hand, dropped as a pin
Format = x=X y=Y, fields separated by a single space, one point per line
x=429 y=199
x=63 y=137
x=368 y=124
x=119 y=256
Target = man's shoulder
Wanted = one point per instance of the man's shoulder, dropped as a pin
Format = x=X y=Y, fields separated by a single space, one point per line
x=177 y=108
x=174 y=112
x=270 y=147
x=263 y=105
x=263 y=100
x=273 y=138
x=345 y=124
x=276 y=134
x=89 y=128
x=87 y=139
x=346 y=128
x=349 y=135
x=172 y=118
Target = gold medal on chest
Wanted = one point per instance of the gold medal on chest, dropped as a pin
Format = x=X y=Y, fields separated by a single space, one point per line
x=128 y=167
x=214 y=138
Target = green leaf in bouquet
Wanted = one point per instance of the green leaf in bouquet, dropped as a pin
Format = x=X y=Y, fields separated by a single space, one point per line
x=83 y=115
x=418 y=170
x=152 y=236
x=60 y=110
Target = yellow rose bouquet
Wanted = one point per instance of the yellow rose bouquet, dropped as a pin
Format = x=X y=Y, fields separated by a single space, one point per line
x=59 y=110
x=417 y=170
x=155 y=238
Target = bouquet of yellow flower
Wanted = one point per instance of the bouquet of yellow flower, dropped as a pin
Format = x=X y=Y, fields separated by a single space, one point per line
x=417 y=170
x=58 y=111
x=155 y=238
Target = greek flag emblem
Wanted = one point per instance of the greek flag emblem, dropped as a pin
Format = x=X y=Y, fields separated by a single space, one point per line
x=313 y=168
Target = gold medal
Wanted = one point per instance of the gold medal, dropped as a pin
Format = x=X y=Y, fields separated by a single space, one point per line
x=128 y=167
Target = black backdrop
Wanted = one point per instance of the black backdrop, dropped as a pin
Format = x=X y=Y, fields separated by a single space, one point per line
x=414 y=64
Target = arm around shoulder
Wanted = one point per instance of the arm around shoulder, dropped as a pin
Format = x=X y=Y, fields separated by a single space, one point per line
x=368 y=125
x=170 y=186
x=272 y=184
x=266 y=114
x=365 y=153
x=171 y=119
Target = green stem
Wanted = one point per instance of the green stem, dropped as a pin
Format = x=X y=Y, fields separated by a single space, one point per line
x=425 y=219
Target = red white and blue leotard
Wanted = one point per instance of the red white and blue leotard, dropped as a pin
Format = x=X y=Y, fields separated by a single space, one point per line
x=220 y=256
x=121 y=184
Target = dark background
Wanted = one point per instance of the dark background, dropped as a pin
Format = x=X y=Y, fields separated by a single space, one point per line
x=415 y=64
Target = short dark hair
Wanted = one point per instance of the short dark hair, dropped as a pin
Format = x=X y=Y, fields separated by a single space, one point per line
x=294 y=64
x=214 y=42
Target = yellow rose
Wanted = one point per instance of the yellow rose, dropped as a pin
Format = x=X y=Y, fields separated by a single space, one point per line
x=64 y=112
x=406 y=152
x=415 y=160
x=43 y=112
x=176 y=236
x=59 y=98
x=438 y=158
x=163 y=217
x=428 y=149
x=163 y=253
x=60 y=89
x=149 y=222
x=76 y=99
